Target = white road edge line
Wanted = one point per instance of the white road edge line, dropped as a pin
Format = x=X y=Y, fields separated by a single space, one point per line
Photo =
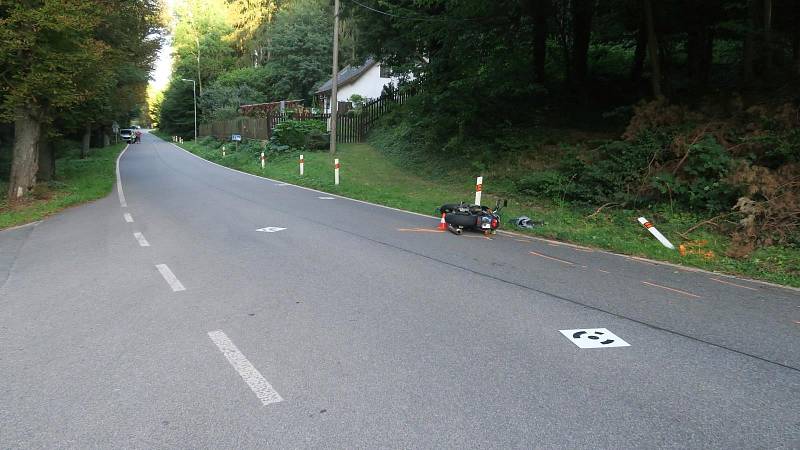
x=259 y=385
x=128 y=217
x=508 y=233
x=142 y=241
x=302 y=187
x=32 y=224
x=120 y=194
x=170 y=278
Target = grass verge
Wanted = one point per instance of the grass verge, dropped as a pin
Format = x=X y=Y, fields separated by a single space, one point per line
x=367 y=174
x=77 y=181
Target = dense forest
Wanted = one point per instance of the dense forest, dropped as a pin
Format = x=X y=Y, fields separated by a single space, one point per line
x=69 y=69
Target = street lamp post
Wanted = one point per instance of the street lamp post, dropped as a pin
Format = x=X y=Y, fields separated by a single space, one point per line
x=194 y=94
x=335 y=77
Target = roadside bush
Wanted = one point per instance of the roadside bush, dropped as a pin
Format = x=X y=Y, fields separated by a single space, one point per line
x=549 y=184
x=252 y=146
x=769 y=210
x=209 y=141
x=295 y=134
x=698 y=180
x=318 y=140
x=613 y=174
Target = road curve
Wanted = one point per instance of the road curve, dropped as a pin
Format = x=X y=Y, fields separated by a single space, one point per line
x=212 y=308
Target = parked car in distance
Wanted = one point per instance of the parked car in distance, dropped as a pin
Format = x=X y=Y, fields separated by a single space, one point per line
x=127 y=135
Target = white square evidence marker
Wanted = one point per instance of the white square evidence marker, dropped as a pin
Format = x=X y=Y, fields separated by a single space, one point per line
x=594 y=338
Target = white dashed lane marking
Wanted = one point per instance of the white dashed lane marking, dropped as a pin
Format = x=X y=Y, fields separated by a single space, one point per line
x=128 y=217
x=170 y=278
x=142 y=241
x=246 y=370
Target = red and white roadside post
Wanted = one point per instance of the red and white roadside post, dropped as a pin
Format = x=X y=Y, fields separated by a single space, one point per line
x=302 y=163
x=656 y=233
x=478 y=190
x=263 y=161
x=336 y=171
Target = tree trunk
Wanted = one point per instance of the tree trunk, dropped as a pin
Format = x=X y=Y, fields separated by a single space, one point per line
x=652 y=49
x=796 y=40
x=639 y=54
x=749 y=56
x=768 y=37
x=106 y=138
x=47 y=161
x=582 y=12
x=540 y=39
x=699 y=47
x=87 y=141
x=796 y=46
x=27 y=131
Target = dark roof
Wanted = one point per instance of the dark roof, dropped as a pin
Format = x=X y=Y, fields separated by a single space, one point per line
x=347 y=75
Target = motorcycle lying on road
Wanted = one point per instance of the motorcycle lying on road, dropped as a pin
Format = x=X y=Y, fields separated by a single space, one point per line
x=463 y=216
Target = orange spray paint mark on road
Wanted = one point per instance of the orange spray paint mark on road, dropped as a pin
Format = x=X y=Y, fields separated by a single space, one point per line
x=732 y=284
x=419 y=230
x=554 y=259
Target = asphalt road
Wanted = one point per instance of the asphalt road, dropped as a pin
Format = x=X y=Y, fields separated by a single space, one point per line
x=357 y=326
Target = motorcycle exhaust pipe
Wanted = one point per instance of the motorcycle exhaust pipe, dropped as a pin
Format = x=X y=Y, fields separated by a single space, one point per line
x=454 y=230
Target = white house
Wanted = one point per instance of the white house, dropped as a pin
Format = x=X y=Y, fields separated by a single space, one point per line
x=366 y=80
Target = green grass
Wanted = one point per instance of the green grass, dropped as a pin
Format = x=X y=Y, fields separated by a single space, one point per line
x=368 y=174
x=77 y=181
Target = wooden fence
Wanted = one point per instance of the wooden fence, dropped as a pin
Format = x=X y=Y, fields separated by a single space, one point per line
x=351 y=127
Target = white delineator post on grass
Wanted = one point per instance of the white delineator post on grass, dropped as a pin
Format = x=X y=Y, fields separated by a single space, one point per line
x=263 y=161
x=656 y=233
x=302 y=163
x=336 y=171
x=478 y=189
x=223 y=151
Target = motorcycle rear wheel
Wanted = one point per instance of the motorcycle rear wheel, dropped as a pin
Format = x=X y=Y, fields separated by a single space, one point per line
x=460 y=220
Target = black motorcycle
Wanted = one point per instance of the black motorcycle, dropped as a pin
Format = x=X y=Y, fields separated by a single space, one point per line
x=463 y=216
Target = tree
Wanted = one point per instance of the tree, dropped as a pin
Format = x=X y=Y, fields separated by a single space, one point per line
x=252 y=28
x=796 y=40
x=653 y=48
x=541 y=12
x=48 y=58
x=199 y=48
x=154 y=100
x=749 y=46
x=177 y=109
x=582 y=12
x=301 y=47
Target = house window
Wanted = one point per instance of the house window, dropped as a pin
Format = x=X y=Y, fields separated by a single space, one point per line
x=386 y=71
